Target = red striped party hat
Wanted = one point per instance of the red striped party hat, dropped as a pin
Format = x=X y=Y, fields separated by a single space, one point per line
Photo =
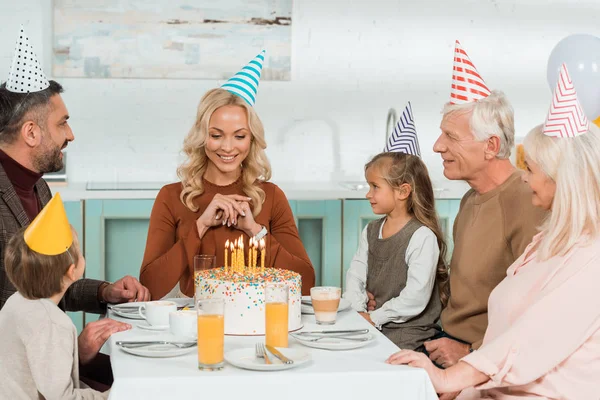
x=467 y=84
x=566 y=117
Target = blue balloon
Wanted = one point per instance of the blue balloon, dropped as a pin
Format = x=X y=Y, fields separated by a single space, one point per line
x=581 y=53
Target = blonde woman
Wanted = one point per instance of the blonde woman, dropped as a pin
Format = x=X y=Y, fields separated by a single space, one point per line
x=223 y=194
x=543 y=336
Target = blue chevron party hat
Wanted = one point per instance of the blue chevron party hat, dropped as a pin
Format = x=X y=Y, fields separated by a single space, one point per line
x=404 y=138
x=245 y=82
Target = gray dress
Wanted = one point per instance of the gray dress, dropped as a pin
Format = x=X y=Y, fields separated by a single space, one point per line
x=386 y=277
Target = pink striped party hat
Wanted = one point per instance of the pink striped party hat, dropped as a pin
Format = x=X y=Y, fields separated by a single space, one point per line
x=566 y=117
x=467 y=84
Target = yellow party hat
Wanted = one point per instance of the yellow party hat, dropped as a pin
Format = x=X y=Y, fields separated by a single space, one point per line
x=50 y=232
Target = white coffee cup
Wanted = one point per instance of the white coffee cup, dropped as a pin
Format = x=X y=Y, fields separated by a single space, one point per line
x=184 y=323
x=157 y=312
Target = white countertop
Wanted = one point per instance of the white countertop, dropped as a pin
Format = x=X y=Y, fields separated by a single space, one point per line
x=293 y=190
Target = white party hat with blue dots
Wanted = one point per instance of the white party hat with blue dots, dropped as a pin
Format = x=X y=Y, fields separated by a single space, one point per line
x=245 y=82
x=26 y=74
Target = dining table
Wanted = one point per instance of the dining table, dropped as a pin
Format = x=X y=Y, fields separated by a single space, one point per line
x=359 y=373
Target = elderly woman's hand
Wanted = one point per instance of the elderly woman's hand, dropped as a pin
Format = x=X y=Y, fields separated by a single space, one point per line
x=223 y=209
x=419 y=360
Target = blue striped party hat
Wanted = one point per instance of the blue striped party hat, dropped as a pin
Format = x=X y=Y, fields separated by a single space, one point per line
x=404 y=138
x=245 y=82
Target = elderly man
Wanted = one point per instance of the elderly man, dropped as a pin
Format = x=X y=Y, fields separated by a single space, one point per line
x=496 y=219
x=34 y=128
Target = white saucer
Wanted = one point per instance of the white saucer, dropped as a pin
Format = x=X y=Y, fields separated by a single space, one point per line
x=333 y=343
x=246 y=359
x=159 y=351
x=114 y=308
x=145 y=325
x=306 y=309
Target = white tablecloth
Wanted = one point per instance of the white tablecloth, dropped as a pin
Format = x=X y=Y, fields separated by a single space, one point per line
x=352 y=374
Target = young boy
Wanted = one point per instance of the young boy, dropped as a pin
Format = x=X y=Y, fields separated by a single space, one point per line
x=39 y=341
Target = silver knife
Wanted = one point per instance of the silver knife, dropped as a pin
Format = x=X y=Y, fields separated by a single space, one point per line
x=344 y=332
x=131 y=344
x=278 y=354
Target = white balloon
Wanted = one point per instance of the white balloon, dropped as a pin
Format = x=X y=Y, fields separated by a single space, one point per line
x=581 y=53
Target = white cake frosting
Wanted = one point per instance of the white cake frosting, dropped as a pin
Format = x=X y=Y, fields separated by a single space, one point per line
x=244 y=295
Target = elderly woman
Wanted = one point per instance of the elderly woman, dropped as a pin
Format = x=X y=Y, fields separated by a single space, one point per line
x=223 y=194
x=543 y=337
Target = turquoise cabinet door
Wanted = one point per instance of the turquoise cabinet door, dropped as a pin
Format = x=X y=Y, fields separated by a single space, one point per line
x=358 y=213
x=74 y=211
x=319 y=224
x=115 y=238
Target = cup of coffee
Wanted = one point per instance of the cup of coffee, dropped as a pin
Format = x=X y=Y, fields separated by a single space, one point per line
x=325 y=301
x=157 y=312
x=183 y=323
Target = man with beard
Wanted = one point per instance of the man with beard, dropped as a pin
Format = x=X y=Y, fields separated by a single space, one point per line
x=34 y=130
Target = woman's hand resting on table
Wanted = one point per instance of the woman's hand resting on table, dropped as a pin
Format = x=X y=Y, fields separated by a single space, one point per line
x=419 y=360
x=222 y=210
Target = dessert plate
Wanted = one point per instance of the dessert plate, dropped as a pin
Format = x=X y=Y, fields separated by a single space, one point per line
x=158 y=350
x=335 y=342
x=246 y=358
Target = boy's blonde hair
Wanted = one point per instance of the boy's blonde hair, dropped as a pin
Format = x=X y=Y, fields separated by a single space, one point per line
x=35 y=275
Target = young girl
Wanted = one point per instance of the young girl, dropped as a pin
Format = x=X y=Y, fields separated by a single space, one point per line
x=400 y=258
x=39 y=341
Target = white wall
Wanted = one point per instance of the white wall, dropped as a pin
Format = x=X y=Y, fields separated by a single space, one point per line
x=351 y=61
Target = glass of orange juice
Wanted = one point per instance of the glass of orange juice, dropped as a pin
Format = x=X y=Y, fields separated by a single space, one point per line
x=211 y=333
x=276 y=317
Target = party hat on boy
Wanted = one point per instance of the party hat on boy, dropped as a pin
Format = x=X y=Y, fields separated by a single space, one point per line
x=467 y=84
x=404 y=137
x=50 y=232
x=25 y=73
x=566 y=117
x=245 y=82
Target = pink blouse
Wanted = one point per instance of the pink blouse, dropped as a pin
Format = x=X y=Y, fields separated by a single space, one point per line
x=543 y=336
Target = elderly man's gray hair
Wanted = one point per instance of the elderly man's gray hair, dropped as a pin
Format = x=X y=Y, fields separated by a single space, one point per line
x=491 y=116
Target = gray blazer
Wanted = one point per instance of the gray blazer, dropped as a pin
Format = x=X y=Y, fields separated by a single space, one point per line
x=83 y=294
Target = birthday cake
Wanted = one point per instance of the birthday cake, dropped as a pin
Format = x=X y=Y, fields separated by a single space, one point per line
x=244 y=294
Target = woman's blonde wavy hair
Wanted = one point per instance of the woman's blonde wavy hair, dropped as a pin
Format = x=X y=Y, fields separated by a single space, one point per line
x=255 y=168
x=574 y=165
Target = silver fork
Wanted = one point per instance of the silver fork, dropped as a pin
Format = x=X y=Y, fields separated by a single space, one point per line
x=260 y=351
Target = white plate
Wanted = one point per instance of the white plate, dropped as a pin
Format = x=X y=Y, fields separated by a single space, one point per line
x=331 y=343
x=306 y=309
x=136 y=315
x=159 y=351
x=145 y=325
x=246 y=359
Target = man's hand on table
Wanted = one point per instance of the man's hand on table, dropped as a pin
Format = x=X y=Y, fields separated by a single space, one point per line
x=94 y=335
x=126 y=289
x=446 y=352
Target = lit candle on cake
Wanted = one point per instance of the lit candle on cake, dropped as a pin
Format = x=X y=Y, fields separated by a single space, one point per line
x=233 y=259
x=262 y=255
x=242 y=256
x=255 y=255
x=226 y=250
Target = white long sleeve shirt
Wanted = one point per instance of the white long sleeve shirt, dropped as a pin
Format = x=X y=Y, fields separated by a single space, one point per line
x=421 y=257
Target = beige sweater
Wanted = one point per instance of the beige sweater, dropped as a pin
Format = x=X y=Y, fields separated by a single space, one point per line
x=38 y=348
x=490 y=232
